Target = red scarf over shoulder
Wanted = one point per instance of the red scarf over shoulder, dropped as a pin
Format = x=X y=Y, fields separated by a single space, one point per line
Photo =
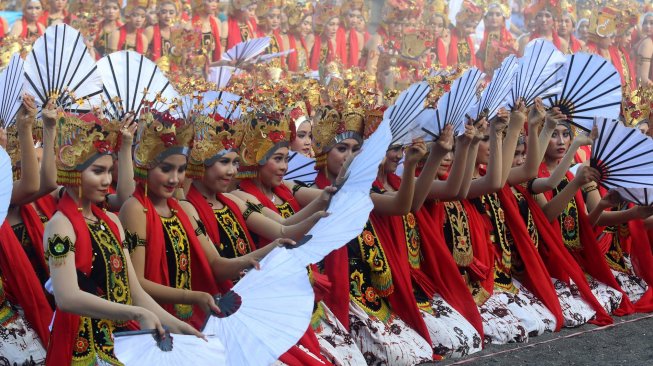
x=438 y=272
x=559 y=262
x=293 y=58
x=34 y=226
x=452 y=58
x=554 y=36
x=156 y=264
x=590 y=258
x=354 y=47
x=215 y=31
x=337 y=54
x=122 y=39
x=574 y=44
x=3 y=22
x=234 y=37
x=25 y=30
x=66 y=325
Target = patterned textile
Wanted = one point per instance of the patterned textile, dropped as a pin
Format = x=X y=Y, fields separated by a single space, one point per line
x=335 y=342
x=575 y=310
x=608 y=297
x=451 y=334
x=19 y=343
x=387 y=343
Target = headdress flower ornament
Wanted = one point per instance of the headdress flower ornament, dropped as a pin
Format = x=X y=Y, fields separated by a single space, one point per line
x=637 y=106
x=296 y=11
x=333 y=127
x=81 y=139
x=324 y=11
x=160 y=135
x=265 y=129
x=214 y=137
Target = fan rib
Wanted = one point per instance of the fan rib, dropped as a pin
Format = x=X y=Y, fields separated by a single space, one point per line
x=38 y=70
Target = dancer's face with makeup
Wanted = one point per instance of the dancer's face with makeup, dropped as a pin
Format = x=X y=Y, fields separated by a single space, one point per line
x=96 y=179
x=164 y=178
x=559 y=143
x=338 y=155
x=219 y=176
x=272 y=172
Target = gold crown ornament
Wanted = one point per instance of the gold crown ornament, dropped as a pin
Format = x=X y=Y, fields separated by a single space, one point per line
x=159 y=135
x=603 y=23
x=324 y=12
x=502 y=6
x=628 y=15
x=214 y=137
x=265 y=130
x=81 y=139
x=402 y=11
x=555 y=7
x=470 y=11
x=637 y=106
x=354 y=5
x=296 y=11
x=265 y=6
x=333 y=127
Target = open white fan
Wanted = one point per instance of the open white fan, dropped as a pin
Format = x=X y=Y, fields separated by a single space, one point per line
x=454 y=105
x=6 y=184
x=60 y=67
x=11 y=87
x=638 y=196
x=245 y=51
x=142 y=347
x=350 y=207
x=276 y=309
x=403 y=112
x=270 y=56
x=592 y=87
x=130 y=81
x=539 y=73
x=496 y=94
x=221 y=75
x=622 y=155
x=300 y=168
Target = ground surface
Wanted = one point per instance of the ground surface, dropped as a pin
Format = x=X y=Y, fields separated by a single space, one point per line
x=628 y=342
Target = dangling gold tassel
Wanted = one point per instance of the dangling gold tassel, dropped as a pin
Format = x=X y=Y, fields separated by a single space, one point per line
x=79 y=197
x=145 y=208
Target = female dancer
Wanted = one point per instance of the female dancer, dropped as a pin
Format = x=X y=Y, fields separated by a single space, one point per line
x=109 y=24
x=159 y=36
x=269 y=25
x=56 y=13
x=355 y=29
x=205 y=21
x=240 y=24
x=300 y=32
x=94 y=283
x=497 y=41
x=130 y=36
x=329 y=45
x=29 y=27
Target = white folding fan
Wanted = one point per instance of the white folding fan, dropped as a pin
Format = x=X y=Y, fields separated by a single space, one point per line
x=59 y=66
x=350 y=207
x=221 y=75
x=454 y=105
x=403 y=112
x=6 y=184
x=539 y=73
x=592 y=87
x=144 y=348
x=11 y=87
x=496 y=94
x=270 y=56
x=638 y=196
x=275 y=311
x=300 y=168
x=130 y=80
x=245 y=51
x=622 y=155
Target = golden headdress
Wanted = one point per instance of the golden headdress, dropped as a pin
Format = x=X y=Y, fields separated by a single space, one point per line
x=353 y=5
x=133 y=4
x=628 y=15
x=324 y=11
x=637 y=106
x=214 y=137
x=436 y=8
x=603 y=23
x=555 y=7
x=332 y=127
x=13 y=145
x=159 y=135
x=296 y=12
x=265 y=129
x=402 y=11
x=80 y=140
x=265 y=6
x=297 y=114
x=470 y=11
x=502 y=5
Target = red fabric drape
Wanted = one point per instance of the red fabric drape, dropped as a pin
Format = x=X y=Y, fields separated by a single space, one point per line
x=439 y=273
x=337 y=54
x=391 y=233
x=234 y=37
x=215 y=31
x=3 y=22
x=504 y=47
x=354 y=47
x=590 y=258
x=559 y=262
x=536 y=278
x=574 y=44
x=641 y=258
x=34 y=225
x=122 y=39
x=452 y=58
x=156 y=43
x=156 y=265
x=24 y=30
x=441 y=53
x=21 y=284
x=279 y=39
x=64 y=330
x=554 y=36
x=293 y=58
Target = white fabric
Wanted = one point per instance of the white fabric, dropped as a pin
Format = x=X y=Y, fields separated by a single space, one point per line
x=452 y=336
x=335 y=342
x=393 y=343
x=19 y=343
x=500 y=325
x=141 y=350
x=575 y=310
x=608 y=297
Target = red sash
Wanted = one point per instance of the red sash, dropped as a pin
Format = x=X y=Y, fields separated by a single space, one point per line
x=590 y=258
x=354 y=47
x=574 y=44
x=452 y=58
x=156 y=43
x=34 y=225
x=122 y=40
x=441 y=53
x=66 y=325
x=234 y=37
x=24 y=31
x=337 y=54
x=293 y=58
x=439 y=273
x=156 y=264
x=554 y=36
x=215 y=30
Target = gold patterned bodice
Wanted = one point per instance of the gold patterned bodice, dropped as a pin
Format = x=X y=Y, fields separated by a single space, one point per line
x=109 y=273
x=285 y=210
x=233 y=238
x=178 y=258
